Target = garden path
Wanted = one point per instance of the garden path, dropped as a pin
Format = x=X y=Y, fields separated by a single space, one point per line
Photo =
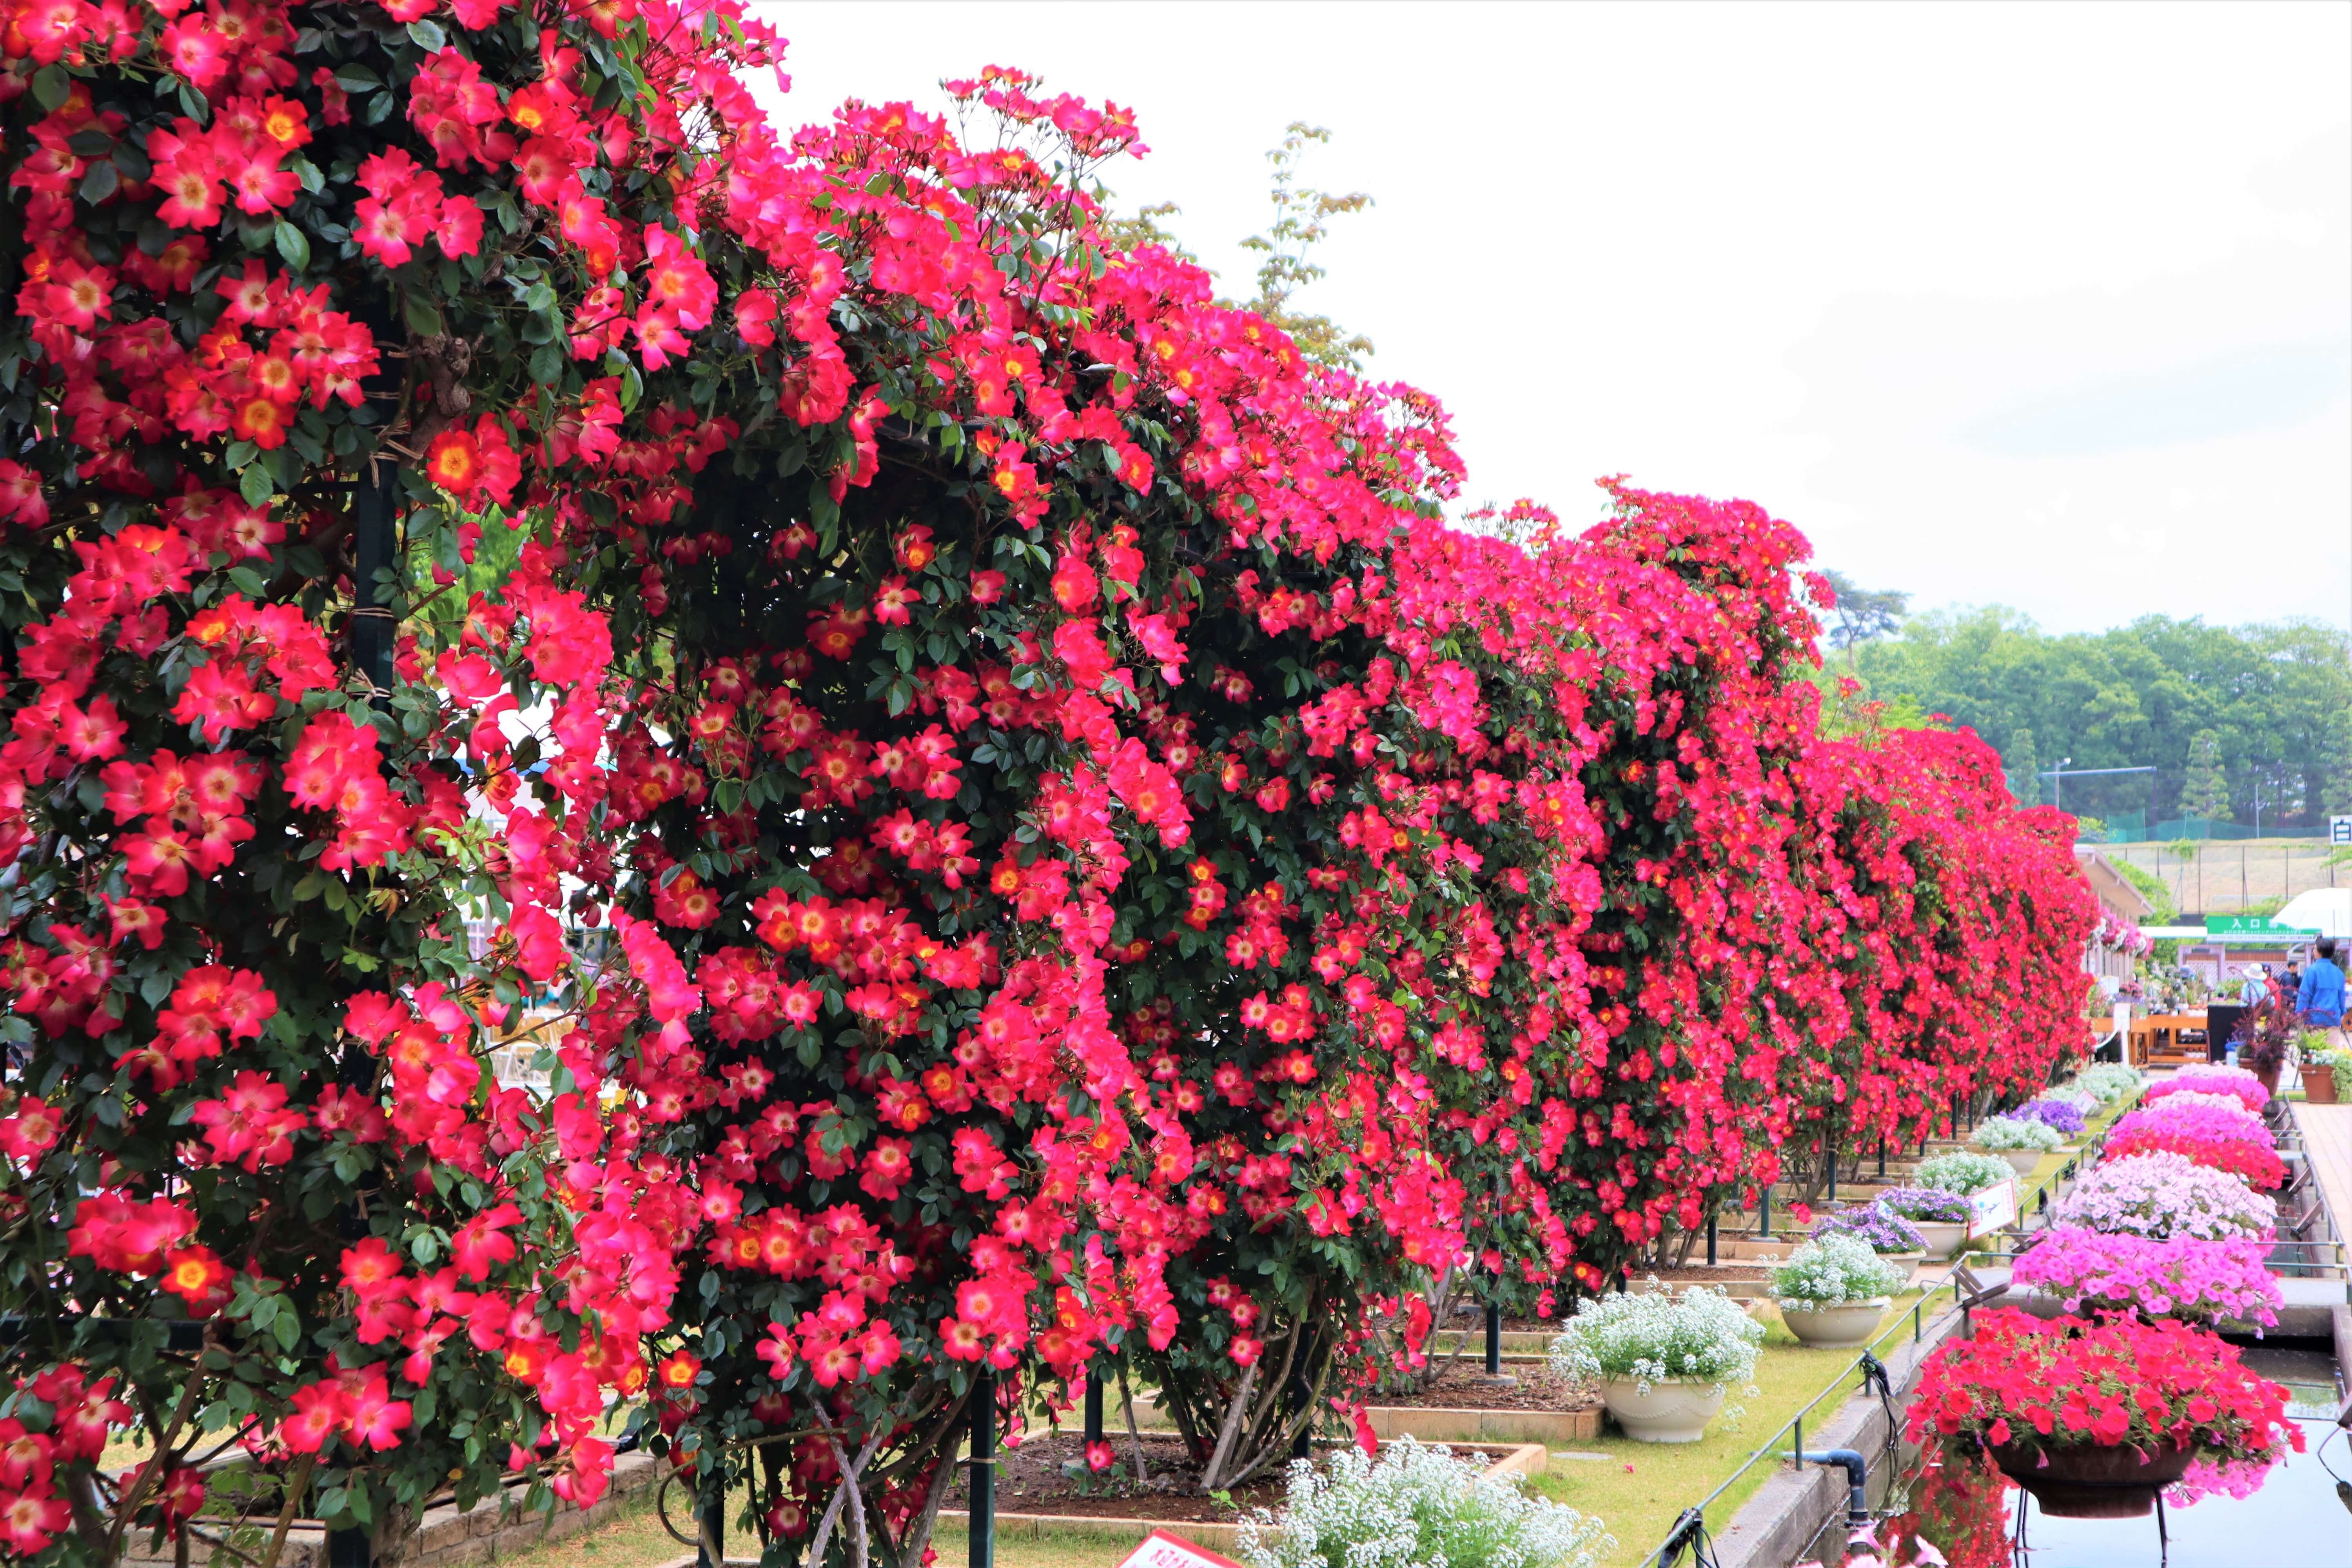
x=2328 y=1144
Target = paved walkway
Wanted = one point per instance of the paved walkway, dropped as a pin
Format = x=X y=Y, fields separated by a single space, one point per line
x=2328 y=1144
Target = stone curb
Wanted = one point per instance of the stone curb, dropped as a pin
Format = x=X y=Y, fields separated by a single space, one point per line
x=1218 y=1535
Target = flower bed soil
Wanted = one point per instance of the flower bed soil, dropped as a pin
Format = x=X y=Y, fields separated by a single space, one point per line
x=1030 y=1480
x=1466 y=1386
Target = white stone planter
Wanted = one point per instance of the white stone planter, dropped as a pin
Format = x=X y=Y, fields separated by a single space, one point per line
x=1942 y=1238
x=1672 y=1411
x=1835 y=1328
x=2024 y=1162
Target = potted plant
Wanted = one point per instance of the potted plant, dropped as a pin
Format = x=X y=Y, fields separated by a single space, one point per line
x=2210 y=1078
x=1664 y=1362
x=2164 y=1194
x=2318 y=1069
x=2220 y=1135
x=2095 y=1418
x=1834 y=1291
x=2261 y=1038
x=1887 y=1233
x=1964 y=1171
x=1940 y=1218
x=2184 y=1277
x=2059 y=1112
x=2110 y=1083
x=1415 y=1504
x=2020 y=1140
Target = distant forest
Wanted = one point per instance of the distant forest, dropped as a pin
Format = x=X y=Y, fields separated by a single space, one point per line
x=2233 y=720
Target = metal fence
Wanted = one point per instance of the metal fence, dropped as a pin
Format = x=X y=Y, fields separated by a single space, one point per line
x=2229 y=878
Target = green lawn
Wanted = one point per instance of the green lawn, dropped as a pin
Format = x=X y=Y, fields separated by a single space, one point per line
x=1641 y=1488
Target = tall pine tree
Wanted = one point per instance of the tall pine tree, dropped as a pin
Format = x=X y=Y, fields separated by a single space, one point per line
x=2205 y=791
x=2024 y=768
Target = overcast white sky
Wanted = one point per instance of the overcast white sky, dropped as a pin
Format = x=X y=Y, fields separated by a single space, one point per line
x=2033 y=304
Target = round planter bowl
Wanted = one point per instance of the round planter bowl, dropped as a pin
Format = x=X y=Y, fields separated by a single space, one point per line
x=1911 y=1259
x=1835 y=1328
x=2024 y=1162
x=2319 y=1085
x=2093 y=1482
x=1672 y=1411
x=1942 y=1238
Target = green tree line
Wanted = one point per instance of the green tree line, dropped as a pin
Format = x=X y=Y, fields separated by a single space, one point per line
x=2227 y=716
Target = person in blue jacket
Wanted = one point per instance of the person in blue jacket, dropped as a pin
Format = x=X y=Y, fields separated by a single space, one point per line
x=2319 y=1001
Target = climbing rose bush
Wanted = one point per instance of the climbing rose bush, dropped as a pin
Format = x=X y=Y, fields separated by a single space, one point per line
x=1046 y=848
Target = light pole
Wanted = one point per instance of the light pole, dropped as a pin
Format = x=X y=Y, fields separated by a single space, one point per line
x=2062 y=771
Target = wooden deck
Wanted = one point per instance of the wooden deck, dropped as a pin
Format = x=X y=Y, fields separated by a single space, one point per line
x=2328 y=1144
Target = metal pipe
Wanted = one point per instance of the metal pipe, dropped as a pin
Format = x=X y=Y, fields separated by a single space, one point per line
x=1094 y=1407
x=1710 y=1238
x=1857 y=1478
x=1494 y=1340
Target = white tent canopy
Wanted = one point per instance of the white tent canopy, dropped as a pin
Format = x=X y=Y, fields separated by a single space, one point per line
x=2327 y=910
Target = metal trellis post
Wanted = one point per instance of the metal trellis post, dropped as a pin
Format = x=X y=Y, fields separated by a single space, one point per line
x=375 y=550
x=983 y=1472
x=1494 y=1340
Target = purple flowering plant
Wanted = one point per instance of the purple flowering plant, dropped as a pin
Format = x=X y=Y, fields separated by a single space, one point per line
x=2061 y=1116
x=2181 y=1277
x=1924 y=1205
x=1883 y=1231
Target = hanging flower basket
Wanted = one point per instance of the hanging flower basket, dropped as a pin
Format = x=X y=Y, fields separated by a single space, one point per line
x=2095 y=1417
x=2093 y=1481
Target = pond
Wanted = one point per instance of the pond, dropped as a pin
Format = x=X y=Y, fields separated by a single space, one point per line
x=2297 y=1519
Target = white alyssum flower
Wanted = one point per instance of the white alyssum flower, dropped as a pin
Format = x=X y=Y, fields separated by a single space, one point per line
x=2109 y=1081
x=1963 y=1171
x=1834 y=1272
x=1650 y=1336
x=1416 y=1507
x=2002 y=1132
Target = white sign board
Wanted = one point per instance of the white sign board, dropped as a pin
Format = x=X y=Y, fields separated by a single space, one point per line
x=1991 y=1208
x=2339 y=830
x=1162 y=1550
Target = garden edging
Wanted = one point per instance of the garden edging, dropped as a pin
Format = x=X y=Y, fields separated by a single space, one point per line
x=1218 y=1535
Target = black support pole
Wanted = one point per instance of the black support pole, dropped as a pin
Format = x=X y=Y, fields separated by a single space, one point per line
x=1494 y=1340
x=351 y=1549
x=1882 y=1159
x=374 y=549
x=1764 y=1210
x=1710 y=1237
x=1094 y=1405
x=982 y=1552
